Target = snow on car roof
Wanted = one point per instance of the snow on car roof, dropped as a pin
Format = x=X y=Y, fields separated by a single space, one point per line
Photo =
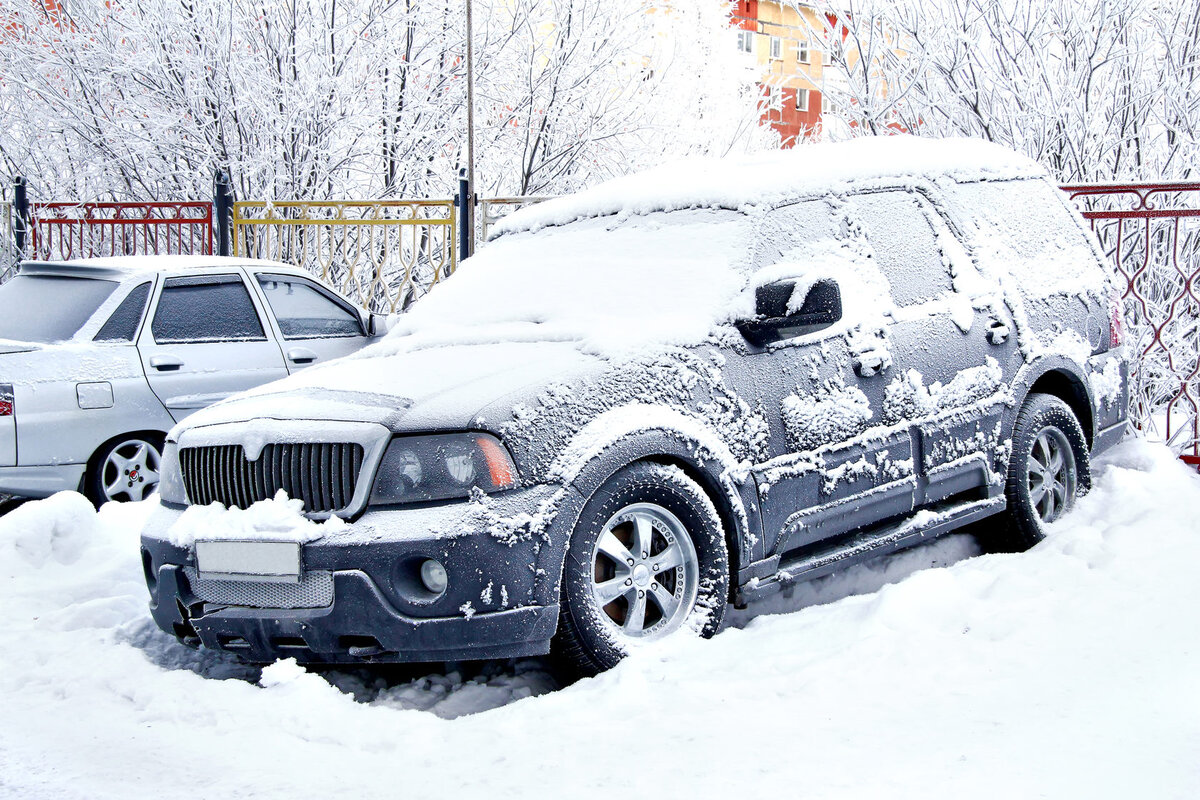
x=120 y=266
x=778 y=176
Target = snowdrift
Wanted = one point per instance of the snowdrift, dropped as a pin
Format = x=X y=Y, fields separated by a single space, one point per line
x=1068 y=671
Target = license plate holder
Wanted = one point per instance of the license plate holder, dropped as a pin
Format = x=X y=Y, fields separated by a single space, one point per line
x=248 y=560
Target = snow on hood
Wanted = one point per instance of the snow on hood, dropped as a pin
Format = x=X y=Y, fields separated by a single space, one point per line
x=419 y=390
x=778 y=176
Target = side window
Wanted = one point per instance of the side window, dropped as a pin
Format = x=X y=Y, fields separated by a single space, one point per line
x=793 y=232
x=122 y=326
x=212 y=308
x=1025 y=228
x=904 y=244
x=305 y=312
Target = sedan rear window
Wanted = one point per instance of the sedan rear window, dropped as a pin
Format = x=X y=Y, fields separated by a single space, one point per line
x=49 y=308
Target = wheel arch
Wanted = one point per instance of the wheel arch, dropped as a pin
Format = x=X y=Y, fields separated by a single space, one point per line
x=1062 y=378
x=674 y=439
x=102 y=448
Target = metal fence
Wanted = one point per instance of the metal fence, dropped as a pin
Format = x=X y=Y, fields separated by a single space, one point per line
x=1152 y=234
x=494 y=209
x=385 y=254
x=60 y=231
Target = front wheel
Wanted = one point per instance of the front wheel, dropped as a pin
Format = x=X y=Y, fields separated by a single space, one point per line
x=647 y=559
x=1048 y=469
x=125 y=469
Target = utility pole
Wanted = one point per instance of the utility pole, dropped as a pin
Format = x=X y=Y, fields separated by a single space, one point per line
x=469 y=200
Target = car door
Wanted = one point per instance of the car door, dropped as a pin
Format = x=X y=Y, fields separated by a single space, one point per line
x=206 y=340
x=835 y=466
x=313 y=324
x=947 y=355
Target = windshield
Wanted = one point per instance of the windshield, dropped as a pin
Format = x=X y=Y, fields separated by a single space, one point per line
x=49 y=308
x=609 y=283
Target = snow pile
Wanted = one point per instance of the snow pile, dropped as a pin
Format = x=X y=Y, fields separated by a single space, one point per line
x=1064 y=672
x=280 y=519
x=776 y=177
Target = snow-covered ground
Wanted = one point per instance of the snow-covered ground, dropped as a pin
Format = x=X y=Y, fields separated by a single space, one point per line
x=1066 y=672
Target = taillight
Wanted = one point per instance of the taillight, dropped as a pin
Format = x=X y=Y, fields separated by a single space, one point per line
x=6 y=399
x=1116 y=326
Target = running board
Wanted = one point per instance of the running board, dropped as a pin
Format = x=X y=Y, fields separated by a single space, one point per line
x=806 y=564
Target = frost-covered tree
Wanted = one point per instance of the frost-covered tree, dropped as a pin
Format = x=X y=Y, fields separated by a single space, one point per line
x=312 y=99
x=1093 y=89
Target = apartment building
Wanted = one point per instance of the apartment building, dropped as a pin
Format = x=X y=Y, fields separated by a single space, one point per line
x=786 y=45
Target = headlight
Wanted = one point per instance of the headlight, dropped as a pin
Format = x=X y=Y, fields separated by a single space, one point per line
x=170 y=481
x=417 y=468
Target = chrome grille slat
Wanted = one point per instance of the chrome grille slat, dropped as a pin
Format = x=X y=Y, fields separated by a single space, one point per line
x=321 y=475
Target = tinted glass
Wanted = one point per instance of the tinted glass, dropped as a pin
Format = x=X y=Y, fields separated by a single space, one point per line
x=48 y=308
x=210 y=309
x=304 y=311
x=122 y=326
x=904 y=245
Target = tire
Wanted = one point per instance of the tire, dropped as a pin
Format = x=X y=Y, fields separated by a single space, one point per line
x=124 y=469
x=1048 y=469
x=643 y=501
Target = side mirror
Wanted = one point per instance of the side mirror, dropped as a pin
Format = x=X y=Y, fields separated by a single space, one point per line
x=376 y=324
x=822 y=307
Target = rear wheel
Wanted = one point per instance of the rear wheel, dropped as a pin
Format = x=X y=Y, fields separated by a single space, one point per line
x=646 y=560
x=125 y=469
x=1049 y=467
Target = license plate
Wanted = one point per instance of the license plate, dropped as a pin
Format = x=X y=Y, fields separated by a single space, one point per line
x=248 y=560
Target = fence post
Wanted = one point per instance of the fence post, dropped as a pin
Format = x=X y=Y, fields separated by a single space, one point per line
x=223 y=207
x=466 y=223
x=20 y=214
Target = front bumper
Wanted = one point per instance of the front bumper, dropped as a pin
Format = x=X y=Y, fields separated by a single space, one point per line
x=41 y=481
x=501 y=601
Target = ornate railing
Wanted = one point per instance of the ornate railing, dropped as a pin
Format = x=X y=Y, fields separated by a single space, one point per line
x=1152 y=234
x=88 y=230
x=384 y=254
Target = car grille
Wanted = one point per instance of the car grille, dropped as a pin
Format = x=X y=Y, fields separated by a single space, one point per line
x=323 y=475
x=315 y=590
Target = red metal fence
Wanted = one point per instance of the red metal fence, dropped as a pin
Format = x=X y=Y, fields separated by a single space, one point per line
x=83 y=230
x=1152 y=234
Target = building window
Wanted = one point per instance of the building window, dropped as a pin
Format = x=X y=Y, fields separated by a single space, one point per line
x=824 y=103
x=802 y=99
x=827 y=56
x=802 y=51
x=776 y=47
x=774 y=98
x=745 y=41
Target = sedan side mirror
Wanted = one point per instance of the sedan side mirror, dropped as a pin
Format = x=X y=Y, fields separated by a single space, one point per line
x=822 y=307
x=376 y=324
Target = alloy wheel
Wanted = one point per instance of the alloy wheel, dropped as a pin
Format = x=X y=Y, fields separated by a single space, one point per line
x=130 y=472
x=1052 y=475
x=645 y=572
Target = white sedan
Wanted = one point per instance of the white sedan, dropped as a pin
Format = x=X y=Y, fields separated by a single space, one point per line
x=100 y=357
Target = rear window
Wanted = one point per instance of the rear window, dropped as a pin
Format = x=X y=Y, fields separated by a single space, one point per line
x=49 y=308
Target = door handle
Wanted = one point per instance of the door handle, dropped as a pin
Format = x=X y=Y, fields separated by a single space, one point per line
x=165 y=363
x=301 y=355
x=997 y=332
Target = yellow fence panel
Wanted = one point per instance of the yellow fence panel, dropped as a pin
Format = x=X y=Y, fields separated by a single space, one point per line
x=381 y=253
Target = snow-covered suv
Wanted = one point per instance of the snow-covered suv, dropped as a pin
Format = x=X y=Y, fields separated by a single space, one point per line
x=644 y=401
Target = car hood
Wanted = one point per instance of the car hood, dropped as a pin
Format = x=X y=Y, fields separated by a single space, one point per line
x=439 y=388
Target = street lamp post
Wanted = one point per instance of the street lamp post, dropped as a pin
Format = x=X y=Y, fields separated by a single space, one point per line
x=469 y=200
